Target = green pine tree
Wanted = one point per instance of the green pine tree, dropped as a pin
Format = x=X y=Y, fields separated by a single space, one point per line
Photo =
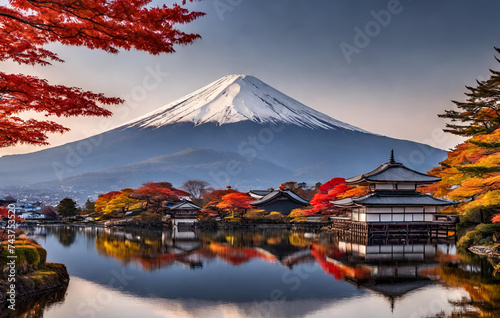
x=67 y=207
x=480 y=113
x=89 y=206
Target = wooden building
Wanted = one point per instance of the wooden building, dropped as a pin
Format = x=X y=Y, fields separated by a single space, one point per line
x=393 y=201
x=183 y=212
x=283 y=201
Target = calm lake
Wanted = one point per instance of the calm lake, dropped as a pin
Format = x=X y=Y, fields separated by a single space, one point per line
x=118 y=273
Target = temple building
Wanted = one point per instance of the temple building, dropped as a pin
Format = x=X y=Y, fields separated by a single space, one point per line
x=283 y=201
x=183 y=213
x=393 y=200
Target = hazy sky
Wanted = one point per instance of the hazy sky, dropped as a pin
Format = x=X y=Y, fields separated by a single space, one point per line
x=393 y=82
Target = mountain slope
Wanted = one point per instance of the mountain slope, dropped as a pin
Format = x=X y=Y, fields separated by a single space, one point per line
x=220 y=168
x=238 y=118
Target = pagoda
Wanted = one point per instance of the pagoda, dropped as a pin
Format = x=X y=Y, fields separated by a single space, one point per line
x=393 y=204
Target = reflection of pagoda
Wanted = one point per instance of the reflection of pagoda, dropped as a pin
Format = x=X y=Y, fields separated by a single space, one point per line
x=391 y=270
x=393 y=207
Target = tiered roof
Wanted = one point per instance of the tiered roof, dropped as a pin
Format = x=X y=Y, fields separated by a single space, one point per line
x=384 y=198
x=392 y=172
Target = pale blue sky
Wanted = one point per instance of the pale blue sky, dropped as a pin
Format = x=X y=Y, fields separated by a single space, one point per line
x=395 y=85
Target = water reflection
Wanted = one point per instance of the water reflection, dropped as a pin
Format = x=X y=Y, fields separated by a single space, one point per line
x=156 y=250
x=65 y=235
x=35 y=306
x=270 y=274
x=475 y=275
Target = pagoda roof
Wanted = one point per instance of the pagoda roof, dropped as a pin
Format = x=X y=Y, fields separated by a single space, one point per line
x=258 y=193
x=185 y=205
x=277 y=193
x=384 y=198
x=393 y=172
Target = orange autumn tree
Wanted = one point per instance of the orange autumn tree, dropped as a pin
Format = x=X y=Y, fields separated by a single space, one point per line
x=471 y=176
x=27 y=27
x=214 y=198
x=357 y=191
x=103 y=200
x=236 y=202
x=122 y=202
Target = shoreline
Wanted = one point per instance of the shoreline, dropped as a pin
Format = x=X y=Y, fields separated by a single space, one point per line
x=484 y=251
x=53 y=276
x=199 y=226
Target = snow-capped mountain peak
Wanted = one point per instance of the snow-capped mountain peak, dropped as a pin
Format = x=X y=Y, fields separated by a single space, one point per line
x=236 y=98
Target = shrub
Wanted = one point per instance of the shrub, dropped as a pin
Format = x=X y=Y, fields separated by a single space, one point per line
x=298 y=215
x=255 y=214
x=478 y=215
x=25 y=252
x=30 y=254
x=488 y=229
x=469 y=239
x=478 y=235
x=276 y=217
x=230 y=219
x=43 y=254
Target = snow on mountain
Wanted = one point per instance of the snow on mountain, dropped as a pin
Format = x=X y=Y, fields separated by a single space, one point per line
x=236 y=98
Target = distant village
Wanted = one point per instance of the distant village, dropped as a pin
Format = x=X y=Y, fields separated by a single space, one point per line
x=47 y=196
x=44 y=206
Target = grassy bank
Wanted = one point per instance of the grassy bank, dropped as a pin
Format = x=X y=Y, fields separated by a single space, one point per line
x=28 y=271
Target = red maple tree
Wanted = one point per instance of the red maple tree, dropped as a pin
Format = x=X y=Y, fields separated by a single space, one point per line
x=154 y=194
x=328 y=192
x=26 y=27
x=213 y=199
x=327 y=186
x=4 y=214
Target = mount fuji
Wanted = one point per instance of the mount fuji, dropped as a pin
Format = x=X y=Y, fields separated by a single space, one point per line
x=235 y=131
x=237 y=98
